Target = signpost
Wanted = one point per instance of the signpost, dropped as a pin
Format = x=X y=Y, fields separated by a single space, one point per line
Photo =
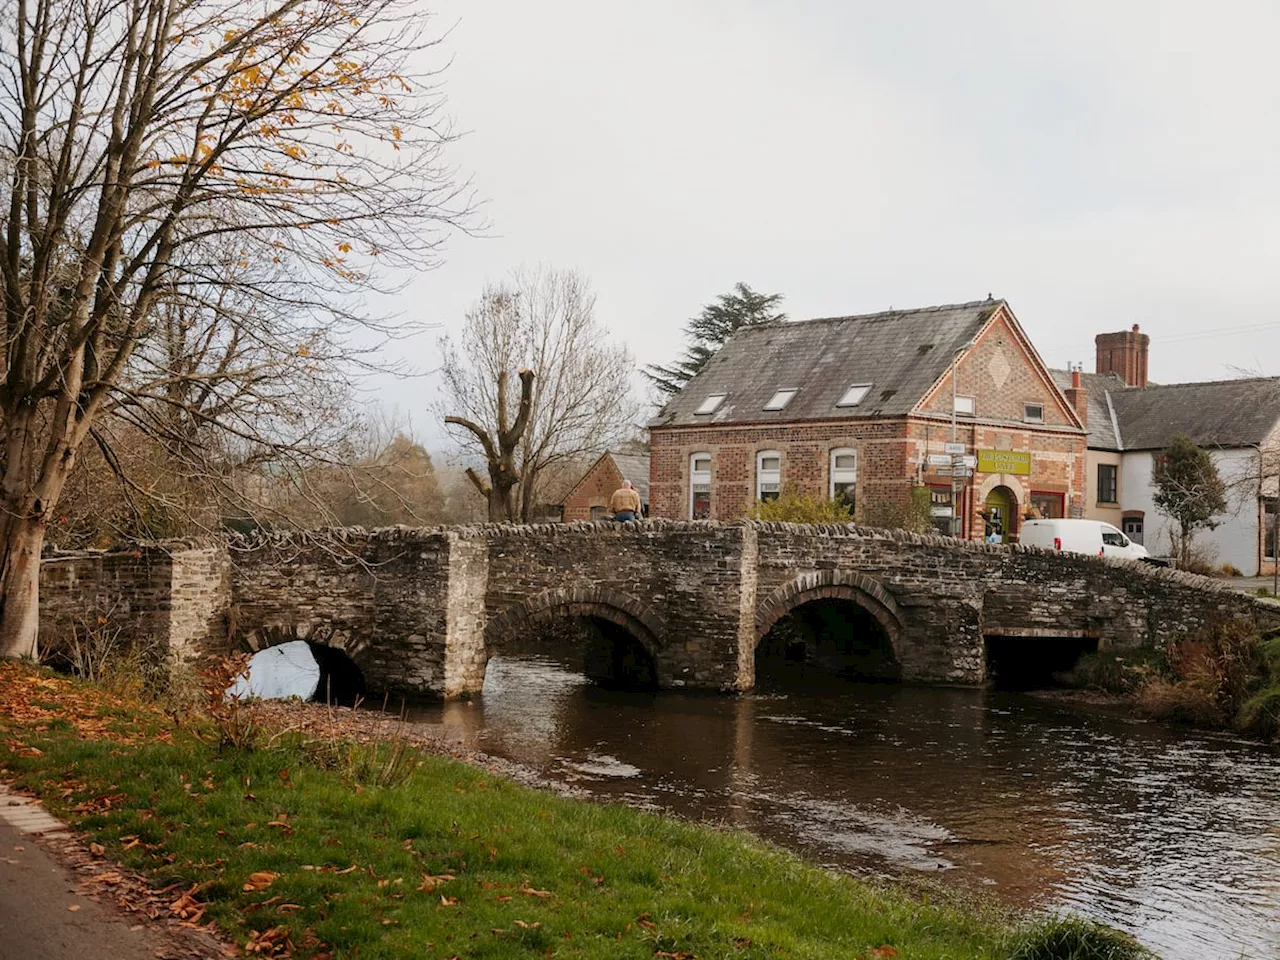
x=954 y=448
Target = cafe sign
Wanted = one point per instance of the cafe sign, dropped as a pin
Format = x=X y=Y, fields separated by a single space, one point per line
x=1017 y=462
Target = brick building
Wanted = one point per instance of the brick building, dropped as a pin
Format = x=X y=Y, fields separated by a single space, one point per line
x=589 y=498
x=861 y=408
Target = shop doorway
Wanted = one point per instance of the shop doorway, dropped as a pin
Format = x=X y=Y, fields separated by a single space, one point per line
x=1002 y=513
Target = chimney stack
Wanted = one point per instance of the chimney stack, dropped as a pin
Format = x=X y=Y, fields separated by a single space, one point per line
x=1078 y=397
x=1124 y=354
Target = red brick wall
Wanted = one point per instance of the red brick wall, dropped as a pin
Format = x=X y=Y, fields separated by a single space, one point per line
x=594 y=490
x=1002 y=378
x=891 y=457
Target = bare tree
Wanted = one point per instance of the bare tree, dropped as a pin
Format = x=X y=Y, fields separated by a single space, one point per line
x=581 y=402
x=141 y=141
x=500 y=445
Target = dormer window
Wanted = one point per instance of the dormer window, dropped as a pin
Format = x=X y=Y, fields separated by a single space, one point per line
x=711 y=404
x=853 y=396
x=780 y=399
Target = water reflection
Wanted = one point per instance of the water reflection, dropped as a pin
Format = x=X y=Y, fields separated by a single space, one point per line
x=1174 y=838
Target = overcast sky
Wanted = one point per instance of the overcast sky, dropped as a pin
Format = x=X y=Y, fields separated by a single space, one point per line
x=1097 y=164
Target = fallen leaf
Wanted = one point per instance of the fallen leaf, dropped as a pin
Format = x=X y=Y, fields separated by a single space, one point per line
x=74 y=907
x=259 y=881
x=448 y=901
x=97 y=849
x=535 y=893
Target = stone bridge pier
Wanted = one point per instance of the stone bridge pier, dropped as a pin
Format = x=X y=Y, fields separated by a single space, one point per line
x=421 y=611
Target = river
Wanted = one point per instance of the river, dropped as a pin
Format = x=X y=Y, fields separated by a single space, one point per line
x=1172 y=836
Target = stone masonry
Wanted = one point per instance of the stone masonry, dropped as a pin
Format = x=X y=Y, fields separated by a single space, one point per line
x=420 y=611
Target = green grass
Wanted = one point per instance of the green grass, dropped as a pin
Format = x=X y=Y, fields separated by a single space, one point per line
x=533 y=874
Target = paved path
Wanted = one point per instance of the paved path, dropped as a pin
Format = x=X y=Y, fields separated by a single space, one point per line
x=43 y=914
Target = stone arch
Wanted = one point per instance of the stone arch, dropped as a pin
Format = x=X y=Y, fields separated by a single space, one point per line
x=866 y=592
x=607 y=604
x=321 y=632
x=1020 y=491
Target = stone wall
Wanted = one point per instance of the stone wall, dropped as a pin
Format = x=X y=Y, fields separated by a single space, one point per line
x=421 y=611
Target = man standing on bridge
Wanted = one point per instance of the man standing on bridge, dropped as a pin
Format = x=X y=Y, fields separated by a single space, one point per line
x=625 y=503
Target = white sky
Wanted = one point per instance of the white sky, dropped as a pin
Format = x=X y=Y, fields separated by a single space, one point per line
x=1098 y=164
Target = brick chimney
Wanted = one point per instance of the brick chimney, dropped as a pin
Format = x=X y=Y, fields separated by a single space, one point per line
x=1124 y=354
x=1078 y=397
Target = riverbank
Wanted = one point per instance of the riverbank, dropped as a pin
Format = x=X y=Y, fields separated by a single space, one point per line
x=1223 y=677
x=307 y=842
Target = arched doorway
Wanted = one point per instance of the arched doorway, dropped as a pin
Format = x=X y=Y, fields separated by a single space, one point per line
x=1001 y=513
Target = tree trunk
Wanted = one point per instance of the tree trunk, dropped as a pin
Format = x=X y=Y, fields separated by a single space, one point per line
x=20 y=587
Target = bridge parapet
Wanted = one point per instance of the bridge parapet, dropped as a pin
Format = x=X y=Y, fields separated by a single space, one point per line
x=422 y=610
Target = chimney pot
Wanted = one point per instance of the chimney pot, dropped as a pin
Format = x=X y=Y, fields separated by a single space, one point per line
x=1075 y=379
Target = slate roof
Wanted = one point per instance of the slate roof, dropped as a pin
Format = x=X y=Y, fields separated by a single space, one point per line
x=636 y=469
x=901 y=353
x=1215 y=413
x=1102 y=426
x=1218 y=413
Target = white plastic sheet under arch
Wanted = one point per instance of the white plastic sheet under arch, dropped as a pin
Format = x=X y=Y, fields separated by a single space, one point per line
x=287 y=670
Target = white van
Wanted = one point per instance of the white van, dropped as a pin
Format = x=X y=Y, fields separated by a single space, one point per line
x=1092 y=537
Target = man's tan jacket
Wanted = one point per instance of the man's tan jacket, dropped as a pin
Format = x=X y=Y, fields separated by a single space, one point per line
x=625 y=500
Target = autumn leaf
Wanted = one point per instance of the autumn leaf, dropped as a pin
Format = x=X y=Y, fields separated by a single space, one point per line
x=535 y=893
x=259 y=881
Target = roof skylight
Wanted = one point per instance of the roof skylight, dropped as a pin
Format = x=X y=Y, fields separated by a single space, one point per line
x=711 y=404
x=853 y=396
x=780 y=399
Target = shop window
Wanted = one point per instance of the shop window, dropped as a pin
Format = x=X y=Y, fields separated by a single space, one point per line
x=1107 y=492
x=768 y=475
x=844 y=476
x=1048 y=505
x=941 y=509
x=1132 y=527
x=700 y=486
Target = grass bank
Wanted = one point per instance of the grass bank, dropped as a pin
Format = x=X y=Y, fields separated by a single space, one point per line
x=323 y=849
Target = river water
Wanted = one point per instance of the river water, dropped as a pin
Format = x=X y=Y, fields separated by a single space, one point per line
x=1174 y=837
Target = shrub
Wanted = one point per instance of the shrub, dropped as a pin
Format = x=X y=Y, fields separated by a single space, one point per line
x=912 y=513
x=794 y=507
x=1215 y=671
x=1117 y=672
x=1230 y=570
x=1075 y=939
x=1260 y=715
x=229 y=723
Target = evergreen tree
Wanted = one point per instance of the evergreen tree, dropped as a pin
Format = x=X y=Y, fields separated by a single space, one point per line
x=1189 y=490
x=708 y=331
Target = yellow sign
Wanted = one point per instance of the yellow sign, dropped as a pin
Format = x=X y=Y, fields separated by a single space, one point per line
x=1005 y=461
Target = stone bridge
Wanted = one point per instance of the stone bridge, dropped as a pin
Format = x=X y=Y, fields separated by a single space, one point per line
x=421 y=611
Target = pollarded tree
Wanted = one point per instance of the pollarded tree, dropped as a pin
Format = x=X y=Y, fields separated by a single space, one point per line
x=1189 y=490
x=708 y=331
x=578 y=393
x=148 y=145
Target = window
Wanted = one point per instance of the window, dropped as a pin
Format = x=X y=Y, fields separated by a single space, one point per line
x=1271 y=516
x=599 y=513
x=768 y=475
x=853 y=396
x=1107 y=483
x=1132 y=527
x=711 y=404
x=844 y=476
x=700 y=486
x=941 y=510
x=966 y=406
x=1033 y=412
x=780 y=399
x=1048 y=505
x=1111 y=537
